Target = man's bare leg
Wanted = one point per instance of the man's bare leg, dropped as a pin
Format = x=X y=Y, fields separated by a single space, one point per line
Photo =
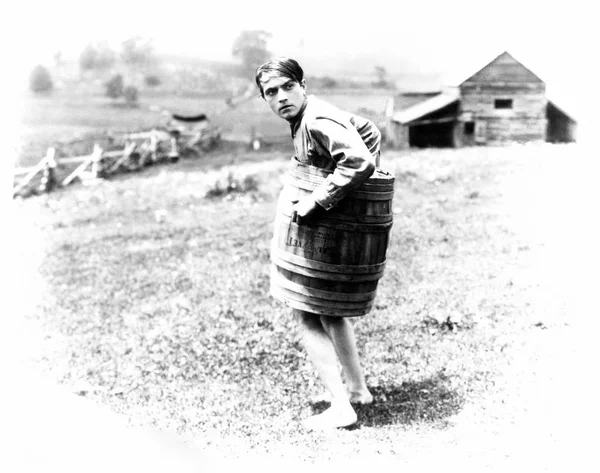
x=341 y=332
x=322 y=353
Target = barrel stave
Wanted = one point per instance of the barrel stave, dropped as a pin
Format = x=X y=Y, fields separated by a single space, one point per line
x=332 y=265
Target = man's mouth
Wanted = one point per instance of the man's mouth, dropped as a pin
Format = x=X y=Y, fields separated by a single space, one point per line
x=285 y=107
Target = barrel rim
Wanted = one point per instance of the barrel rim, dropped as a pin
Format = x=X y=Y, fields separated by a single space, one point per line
x=332 y=312
x=282 y=281
x=317 y=274
x=329 y=267
x=359 y=193
x=353 y=227
x=325 y=304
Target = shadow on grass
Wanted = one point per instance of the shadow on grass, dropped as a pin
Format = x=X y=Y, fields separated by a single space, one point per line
x=429 y=400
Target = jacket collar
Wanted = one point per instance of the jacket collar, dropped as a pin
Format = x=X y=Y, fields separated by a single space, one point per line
x=295 y=124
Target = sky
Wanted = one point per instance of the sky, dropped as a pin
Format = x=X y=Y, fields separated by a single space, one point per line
x=431 y=34
x=452 y=39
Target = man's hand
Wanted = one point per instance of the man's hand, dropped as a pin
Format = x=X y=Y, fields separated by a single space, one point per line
x=304 y=209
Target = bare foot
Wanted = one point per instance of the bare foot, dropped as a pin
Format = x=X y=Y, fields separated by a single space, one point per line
x=361 y=397
x=335 y=417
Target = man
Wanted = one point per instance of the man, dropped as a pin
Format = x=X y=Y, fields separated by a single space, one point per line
x=348 y=146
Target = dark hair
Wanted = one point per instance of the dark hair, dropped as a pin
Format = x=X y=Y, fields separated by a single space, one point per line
x=283 y=66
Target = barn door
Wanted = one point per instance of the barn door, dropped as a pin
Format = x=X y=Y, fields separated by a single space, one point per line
x=480 y=132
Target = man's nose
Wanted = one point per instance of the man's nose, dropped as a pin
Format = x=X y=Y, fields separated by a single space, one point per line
x=282 y=96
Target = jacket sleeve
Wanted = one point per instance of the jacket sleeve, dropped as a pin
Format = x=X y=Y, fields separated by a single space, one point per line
x=354 y=162
x=370 y=134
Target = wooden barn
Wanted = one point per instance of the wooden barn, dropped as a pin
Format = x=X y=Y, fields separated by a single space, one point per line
x=501 y=103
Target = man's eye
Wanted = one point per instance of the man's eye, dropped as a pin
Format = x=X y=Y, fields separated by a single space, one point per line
x=289 y=86
x=270 y=92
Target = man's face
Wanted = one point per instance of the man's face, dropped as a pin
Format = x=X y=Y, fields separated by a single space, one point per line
x=285 y=96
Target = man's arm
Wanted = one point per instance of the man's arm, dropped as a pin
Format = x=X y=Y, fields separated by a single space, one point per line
x=354 y=161
x=369 y=133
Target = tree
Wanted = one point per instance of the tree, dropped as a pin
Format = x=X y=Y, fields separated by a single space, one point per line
x=251 y=48
x=137 y=52
x=98 y=57
x=131 y=94
x=115 y=86
x=40 y=80
x=106 y=57
x=87 y=58
x=152 y=80
x=382 y=78
x=58 y=58
x=381 y=75
x=329 y=82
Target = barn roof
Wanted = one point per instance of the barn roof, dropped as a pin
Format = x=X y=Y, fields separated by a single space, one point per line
x=504 y=68
x=408 y=99
x=411 y=106
x=427 y=106
x=552 y=103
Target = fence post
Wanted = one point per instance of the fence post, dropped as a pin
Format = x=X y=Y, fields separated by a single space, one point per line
x=129 y=147
x=174 y=152
x=95 y=156
x=254 y=141
x=48 y=181
x=153 y=146
x=38 y=167
x=97 y=168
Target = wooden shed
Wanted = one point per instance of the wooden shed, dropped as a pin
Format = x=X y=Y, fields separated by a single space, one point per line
x=501 y=103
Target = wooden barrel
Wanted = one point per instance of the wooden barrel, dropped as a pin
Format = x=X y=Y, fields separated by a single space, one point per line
x=332 y=265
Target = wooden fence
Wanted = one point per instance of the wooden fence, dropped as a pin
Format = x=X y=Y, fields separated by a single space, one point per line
x=138 y=150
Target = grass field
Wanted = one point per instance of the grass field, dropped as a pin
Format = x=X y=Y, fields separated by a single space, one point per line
x=55 y=119
x=152 y=299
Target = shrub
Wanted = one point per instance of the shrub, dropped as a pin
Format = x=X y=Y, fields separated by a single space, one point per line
x=152 y=80
x=329 y=82
x=250 y=183
x=115 y=86
x=227 y=183
x=131 y=94
x=40 y=80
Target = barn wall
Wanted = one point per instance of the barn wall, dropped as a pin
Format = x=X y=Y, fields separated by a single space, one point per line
x=525 y=121
x=561 y=128
x=399 y=136
x=476 y=120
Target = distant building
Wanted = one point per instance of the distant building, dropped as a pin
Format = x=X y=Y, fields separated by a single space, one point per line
x=501 y=103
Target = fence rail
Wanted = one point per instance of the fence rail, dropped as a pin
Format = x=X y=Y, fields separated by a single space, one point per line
x=139 y=149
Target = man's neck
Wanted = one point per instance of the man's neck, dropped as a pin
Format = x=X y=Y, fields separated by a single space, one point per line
x=295 y=121
x=300 y=113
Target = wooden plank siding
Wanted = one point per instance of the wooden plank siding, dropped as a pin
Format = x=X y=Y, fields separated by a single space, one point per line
x=505 y=78
x=524 y=121
x=480 y=101
x=523 y=112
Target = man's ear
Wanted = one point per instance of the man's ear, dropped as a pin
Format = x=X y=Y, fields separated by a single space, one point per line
x=303 y=85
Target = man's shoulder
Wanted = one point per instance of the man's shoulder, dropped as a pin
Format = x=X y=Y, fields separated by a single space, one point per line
x=322 y=113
